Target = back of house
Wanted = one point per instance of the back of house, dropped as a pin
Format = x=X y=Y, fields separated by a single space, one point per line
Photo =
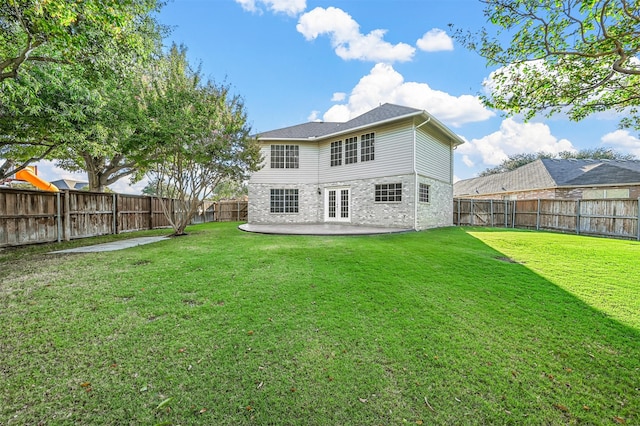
x=390 y=167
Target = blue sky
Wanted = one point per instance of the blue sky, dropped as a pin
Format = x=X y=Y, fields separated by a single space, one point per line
x=295 y=61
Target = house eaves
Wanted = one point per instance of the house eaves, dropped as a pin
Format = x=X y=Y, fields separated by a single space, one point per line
x=330 y=130
x=455 y=140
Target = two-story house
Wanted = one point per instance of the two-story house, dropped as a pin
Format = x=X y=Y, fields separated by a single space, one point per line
x=390 y=167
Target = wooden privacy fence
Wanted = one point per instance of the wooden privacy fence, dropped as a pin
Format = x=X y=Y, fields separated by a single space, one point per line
x=29 y=217
x=604 y=217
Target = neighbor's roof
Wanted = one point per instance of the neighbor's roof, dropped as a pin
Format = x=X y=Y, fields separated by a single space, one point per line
x=382 y=114
x=553 y=173
x=69 y=184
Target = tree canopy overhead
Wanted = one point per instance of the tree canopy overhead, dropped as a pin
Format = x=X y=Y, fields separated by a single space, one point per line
x=95 y=33
x=578 y=57
x=55 y=56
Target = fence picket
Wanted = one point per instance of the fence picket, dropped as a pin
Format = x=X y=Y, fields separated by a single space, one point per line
x=618 y=218
x=31 y=217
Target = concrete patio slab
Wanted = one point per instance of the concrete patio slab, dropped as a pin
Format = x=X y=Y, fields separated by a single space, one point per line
x=115 y=245
x=319 y=229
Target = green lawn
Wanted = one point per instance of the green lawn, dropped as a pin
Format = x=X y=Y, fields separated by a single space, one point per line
x=449 y=326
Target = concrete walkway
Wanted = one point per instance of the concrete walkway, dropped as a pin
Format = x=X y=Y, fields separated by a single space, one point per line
x=319 y=229
x=115 y=245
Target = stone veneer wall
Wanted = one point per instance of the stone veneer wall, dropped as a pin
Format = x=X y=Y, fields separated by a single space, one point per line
x=310 y=204
x=364 y=209
x=438 y=212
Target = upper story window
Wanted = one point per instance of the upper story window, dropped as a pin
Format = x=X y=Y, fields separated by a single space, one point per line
x=285 y=156
x=388 y=192
x=336 y=153
x=367 y=147
x=351 y=150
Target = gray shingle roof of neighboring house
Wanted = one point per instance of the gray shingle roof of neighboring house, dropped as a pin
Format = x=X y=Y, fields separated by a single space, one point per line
x=69 y=184
x=553 y=173
x=319 y=129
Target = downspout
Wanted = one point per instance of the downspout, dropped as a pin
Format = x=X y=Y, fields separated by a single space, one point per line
x=415 y=173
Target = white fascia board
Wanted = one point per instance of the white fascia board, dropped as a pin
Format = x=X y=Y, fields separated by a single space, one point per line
x=370 y=125
x=455 y=139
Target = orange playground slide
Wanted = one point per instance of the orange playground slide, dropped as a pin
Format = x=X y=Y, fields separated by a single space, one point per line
x=28 y=175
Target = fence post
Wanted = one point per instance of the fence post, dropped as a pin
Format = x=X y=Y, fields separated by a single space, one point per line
x=491 y=211
x=59 y=216
x=151 y=212
x=472 y=213
x=238 y=206
x=114 y=202
x=513 y=220
x=638 y=222
x=67 y=215
x=506 y=213
x=459 y=212
x=578 y=217
x=538 y=216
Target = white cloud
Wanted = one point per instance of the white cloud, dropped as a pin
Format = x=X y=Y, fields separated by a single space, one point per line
x=123 y=186
x=314 y=116
x=435 y=40
x=48 y=171
x=346 y=38
x=338 y=97
x=512 y=138
x=290 y=7
x=467 y=161
x=623 y=141
x=384 y=84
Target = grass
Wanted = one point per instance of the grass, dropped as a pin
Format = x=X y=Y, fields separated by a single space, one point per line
x=449 y=326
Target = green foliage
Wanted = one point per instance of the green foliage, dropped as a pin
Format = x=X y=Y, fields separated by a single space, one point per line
x=96 y=35
x=230 y=190
x=106 y=147
x=55 y=59
x=515 y=161
x=519 y=160
x=562 y=56
x=324 y=330
x=199 y=132
x=596 y=154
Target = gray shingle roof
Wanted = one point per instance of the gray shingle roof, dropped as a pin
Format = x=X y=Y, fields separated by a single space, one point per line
x=301 y=131
x=318 y=129
x=553 y=173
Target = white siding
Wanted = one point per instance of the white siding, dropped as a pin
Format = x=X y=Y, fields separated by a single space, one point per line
x=433 y=156
x=306 y=173
x=393 y=156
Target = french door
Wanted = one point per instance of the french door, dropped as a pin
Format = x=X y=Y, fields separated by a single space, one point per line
x=337 y=205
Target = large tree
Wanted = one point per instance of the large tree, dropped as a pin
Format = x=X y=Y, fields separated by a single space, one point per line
x=37 y=112
x=104 y=143
x=577 y=57
x=201 y=136
x=53 y=54
x=101 y=35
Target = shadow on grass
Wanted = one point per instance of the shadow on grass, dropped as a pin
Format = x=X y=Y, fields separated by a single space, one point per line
x=431 y=327
x=531 y=350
